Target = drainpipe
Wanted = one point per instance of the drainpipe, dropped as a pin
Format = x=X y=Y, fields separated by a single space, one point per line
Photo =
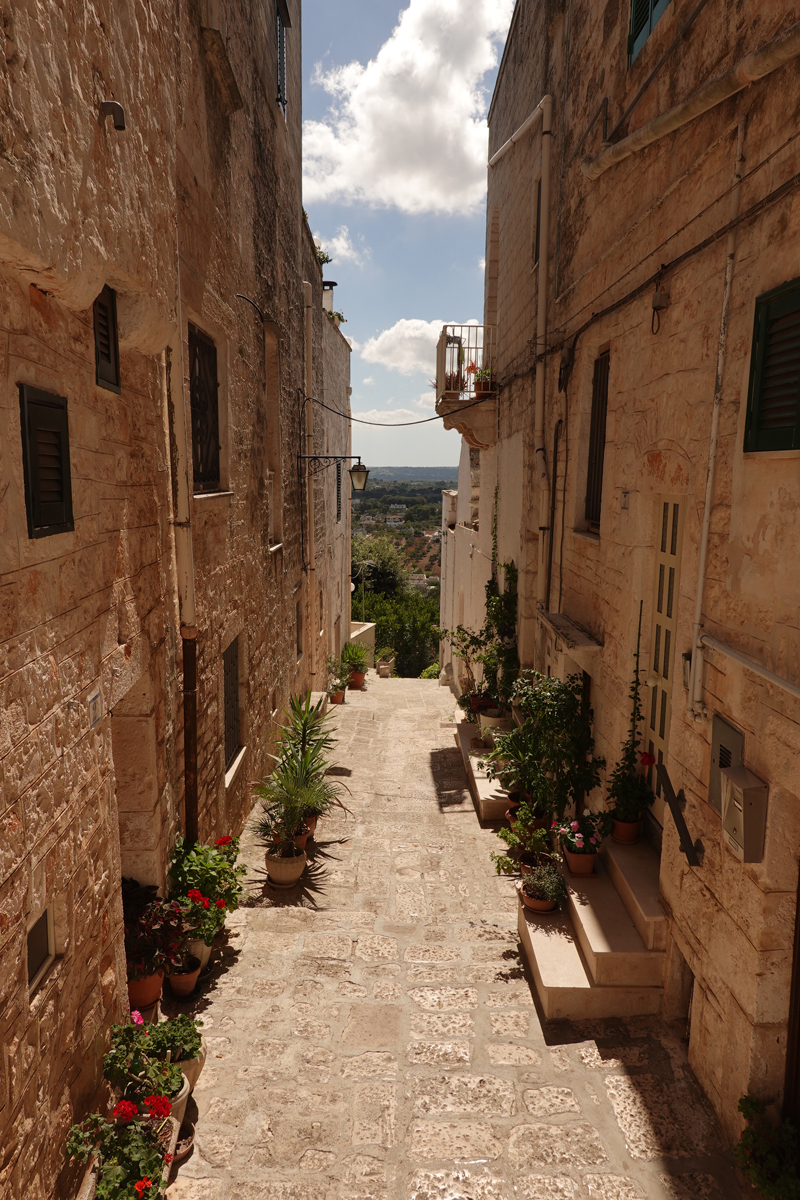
x=184 y=565
x=695 y=701
x=309 y=407
x=755 y=66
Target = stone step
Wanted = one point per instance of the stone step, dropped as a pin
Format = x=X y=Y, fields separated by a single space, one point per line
x=490 y=799
x=634 y=871
x=564 y=986
x=614 y=952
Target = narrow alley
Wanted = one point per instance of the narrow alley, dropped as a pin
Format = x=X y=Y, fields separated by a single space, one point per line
x=372 y=1035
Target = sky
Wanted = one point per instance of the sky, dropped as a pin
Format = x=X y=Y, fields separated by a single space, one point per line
x=395 y=142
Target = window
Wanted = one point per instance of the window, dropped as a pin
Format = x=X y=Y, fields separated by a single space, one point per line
x=106 y=341
x=644 y=16
x=773 y=402
x=665 y=622
x=283 y=22
x=338 y=492
x=41 y=949
x=298 y=614
x=205 y=411
x=538 y=221
x=45 y=461
x=597 y=441
x=230 y=675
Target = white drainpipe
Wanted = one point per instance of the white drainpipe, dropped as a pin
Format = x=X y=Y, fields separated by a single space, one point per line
x=311 y=636
x=695 y=700
x=544 y=109
x=755 y=66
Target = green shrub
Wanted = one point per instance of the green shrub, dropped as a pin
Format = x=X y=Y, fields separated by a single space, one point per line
x=544 y=882
x=210 y=870
x=769 y=1155
x=431 y=672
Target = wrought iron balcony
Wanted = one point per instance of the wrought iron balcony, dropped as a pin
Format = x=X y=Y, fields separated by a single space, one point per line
x=465 y=382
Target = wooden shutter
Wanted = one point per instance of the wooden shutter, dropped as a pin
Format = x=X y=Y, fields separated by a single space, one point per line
x=644 y=16
x=281 y=23
x=773 y=413
x=230 y=671
x=106 y=340
x=45 y=454
x=338 y=491
x=205 y=411
x=597 y=441
x=665 y=623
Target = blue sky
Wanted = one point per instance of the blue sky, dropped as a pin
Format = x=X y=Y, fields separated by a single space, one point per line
x=394 y=105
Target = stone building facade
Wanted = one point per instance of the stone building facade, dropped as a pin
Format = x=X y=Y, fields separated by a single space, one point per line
x=661 y=470
x=157 y=601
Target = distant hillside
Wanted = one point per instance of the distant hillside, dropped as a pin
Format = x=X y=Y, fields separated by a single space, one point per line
x=415 y=474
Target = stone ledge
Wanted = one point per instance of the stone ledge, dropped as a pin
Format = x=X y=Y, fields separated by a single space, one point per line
x=490 y=799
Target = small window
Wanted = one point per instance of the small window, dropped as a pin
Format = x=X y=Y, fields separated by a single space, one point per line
x=773 y=402
x=205 y=411
x=644 y=16
x=45 y=461
x=538 y=221
x=298 y=612
x=283 y=22
x=338 y=492
x=597 y=441
x=106 y=341
x=41 y=949
x=230 y=672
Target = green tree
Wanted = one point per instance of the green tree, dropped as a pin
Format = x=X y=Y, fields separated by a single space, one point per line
x=406 y=621
x=388 y=576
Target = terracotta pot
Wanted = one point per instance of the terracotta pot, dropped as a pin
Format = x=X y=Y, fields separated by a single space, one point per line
x=192 y=1067
x=311 y=825
x=626 y=832
x=357 y=680
x=543 y=906
x=182 y=983
x=200 y=950
x=144 y=992
x=285 y=872
x=511 y=817
x=301 y=839
x=336 y=697
x=579 y=864
x=483 y=387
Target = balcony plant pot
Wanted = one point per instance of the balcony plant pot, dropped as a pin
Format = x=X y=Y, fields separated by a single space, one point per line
x=143 y=993
x=183 y=983
x=626 y=832
x=579 y=864
x=337 y=697
x=483 y=387
x=285 y=872
x=357 y=680
x=198 y=948
x=192 y=1067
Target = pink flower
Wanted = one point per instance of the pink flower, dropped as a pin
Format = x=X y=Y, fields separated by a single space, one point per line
x=574 y=826
x=137 y=1017
x=593 y=840
x=578 y=837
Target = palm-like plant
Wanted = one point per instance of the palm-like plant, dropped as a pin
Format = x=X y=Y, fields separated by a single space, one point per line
x=296 y=789
x=307 y=726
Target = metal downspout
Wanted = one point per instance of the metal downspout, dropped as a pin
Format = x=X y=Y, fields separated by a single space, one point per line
x=541 y=346
x=695 y=704
x=309 y=431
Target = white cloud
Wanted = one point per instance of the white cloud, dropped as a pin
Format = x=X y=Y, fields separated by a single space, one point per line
x=341 y=247
x=388 y=416
x=407 y=130
x=409 y=346
x=368 y=379
x=481 y=264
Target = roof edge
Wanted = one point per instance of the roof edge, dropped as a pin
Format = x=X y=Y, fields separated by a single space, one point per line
x=509 y=36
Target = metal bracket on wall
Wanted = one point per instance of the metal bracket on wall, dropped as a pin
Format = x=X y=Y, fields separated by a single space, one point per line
x=320 y=462
x=694 y=851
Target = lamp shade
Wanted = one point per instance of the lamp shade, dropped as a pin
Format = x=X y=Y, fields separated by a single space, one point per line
x=358 y=477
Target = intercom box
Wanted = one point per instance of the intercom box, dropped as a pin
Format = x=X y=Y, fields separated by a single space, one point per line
x=744 y=813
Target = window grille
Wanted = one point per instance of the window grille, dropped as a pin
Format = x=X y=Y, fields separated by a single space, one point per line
x=645 y=15
x=40 y=948
x=205 y=411
x=658 y=712
x=298 y=612
x=338 y=492
x=773 y=407
x=45 y=461
x=281 y=26
x=230 y=672
x=597 y=441
x=106 y=341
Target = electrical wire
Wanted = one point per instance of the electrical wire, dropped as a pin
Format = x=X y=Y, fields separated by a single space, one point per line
x=399 y=424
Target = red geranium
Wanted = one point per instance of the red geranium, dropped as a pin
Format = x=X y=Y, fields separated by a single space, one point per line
x=206 y=903
x=195 y=895
x=158 y=1106
x=646 y=759
x=125 y=1109
x=224 y=841
x=220 y=903
x=142 y=1185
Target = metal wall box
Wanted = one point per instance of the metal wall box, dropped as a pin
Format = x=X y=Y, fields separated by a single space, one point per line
x=744 y=813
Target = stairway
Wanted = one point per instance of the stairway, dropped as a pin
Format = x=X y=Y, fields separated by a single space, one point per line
x=602 y=955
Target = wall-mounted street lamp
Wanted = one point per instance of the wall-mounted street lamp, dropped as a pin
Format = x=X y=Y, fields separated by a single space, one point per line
x=359 y=474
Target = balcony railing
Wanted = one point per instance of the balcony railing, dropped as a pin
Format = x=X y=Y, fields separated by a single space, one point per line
x=465 y=363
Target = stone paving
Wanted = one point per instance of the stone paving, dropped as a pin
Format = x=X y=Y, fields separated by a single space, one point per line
x=372 y=1035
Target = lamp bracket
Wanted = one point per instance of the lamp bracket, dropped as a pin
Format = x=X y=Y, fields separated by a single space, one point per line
x=320 y=462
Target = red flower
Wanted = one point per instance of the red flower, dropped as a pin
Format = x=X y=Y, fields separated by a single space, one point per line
x=220 y=903
x=125 y=1109
x=195 y=895
x=142 y=1185
x=646 y=759
x=167 y=1159
x=205 y=901
x=158 y=1106
x=224 y=841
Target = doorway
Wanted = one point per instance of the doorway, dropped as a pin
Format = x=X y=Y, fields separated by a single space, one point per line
x=134 y=748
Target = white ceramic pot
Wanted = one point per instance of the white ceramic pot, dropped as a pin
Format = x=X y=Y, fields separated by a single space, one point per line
x=179 y=1103
x=192 y=1067
x=200 y=950
x=285 y=872
x=492 y=725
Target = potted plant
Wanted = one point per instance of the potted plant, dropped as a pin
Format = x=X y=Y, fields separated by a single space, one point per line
x=138 y=1069
x=155 y=937
x=542 y=888
x=629 y=795
x=528 y=845
x=768 y=1152
x=580 y=840
x=212 y=873
x=338 y=678
x=179 y=1040
x=384 y=662
x=354 y=660
x=482 y=379
x=131 y=1154
x=279 y=824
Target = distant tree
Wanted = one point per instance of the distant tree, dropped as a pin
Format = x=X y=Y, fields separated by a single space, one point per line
x=388 y=576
